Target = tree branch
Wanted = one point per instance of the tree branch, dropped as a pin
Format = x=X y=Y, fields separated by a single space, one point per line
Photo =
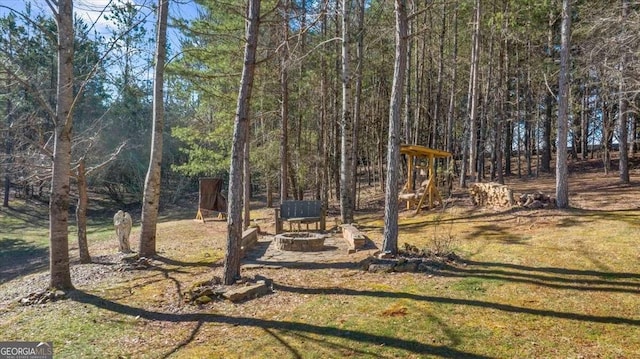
x=36 y=94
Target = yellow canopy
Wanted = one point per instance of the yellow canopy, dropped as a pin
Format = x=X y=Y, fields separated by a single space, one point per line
x=421 y=151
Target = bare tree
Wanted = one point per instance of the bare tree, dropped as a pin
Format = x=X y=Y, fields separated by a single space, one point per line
x=545 y=164
x=81 y=213
x=61 y=169
x=346 y=123
x=357 y=102
x=624 y=103
x=8 y=143
x=246 y=194
x=151 y=199
x=240 y=131
x=83 y=199
x=562 y=183
x=474 y=92
x=390 y=233
x=284 y=103
x=452 y=95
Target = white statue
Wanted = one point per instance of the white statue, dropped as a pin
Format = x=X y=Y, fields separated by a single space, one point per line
x=122 y=222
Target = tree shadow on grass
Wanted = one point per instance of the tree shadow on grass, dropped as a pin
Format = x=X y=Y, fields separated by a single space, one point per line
x=551 y=277
x=411 y=346
x=19 y=257
x=24 y=217
x=556 y=270
x=304 y=264
x=565 y=217
x=284 y=343
x=178 y=263
x=186 y=341
x=465 y=302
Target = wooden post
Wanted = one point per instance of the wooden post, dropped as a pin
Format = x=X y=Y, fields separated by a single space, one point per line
x=409 y=185
x=432 y=180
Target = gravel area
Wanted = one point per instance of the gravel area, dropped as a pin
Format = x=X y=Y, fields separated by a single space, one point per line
x=82 y=275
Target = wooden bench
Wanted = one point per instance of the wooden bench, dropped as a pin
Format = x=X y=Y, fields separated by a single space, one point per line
x=300 y=212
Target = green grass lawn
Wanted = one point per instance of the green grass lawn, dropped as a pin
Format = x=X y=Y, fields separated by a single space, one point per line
x=530 y=284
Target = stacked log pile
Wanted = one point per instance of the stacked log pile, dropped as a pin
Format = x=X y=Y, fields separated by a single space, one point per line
x=491 y=194
x=499 y=195
x=536 y=201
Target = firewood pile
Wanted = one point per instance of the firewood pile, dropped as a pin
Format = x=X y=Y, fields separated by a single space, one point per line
x=491 y=194
x=536 y=200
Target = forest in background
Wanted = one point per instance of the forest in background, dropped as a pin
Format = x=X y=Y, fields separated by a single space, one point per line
x=503 y=85
x=297 y=113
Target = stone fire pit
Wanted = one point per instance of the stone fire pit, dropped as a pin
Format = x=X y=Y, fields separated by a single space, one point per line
x=300 y=241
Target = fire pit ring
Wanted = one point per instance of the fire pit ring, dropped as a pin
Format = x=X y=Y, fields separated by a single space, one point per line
x=299 y=242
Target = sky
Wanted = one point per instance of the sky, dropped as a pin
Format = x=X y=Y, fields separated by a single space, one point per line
x=92 y=11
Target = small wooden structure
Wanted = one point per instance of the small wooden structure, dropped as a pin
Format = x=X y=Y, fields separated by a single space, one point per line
x=211 y=198
x=428 y=190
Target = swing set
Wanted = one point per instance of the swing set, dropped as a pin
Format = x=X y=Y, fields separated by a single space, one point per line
x=421 y=158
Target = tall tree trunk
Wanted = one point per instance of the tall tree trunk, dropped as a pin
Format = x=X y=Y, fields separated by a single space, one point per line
x=584 y=125
x=240 y=131
x=407 y=126
x=519 y=128
x=81 y=214
x=284 y=104
x=293 y=182
x=151 y=199
x=545 y=165
x=357 y=105
x=437 y=109
x=503 y=90
x=381 y=158
x=473 y=97
x=8 y=143
x=246 y=173
x=323 y=138
x=451 y=113
x=60 y=173
x=335 y=143
x=623 y=105
x=607 y=136
x=634 y=137
x=269 y=193
x=508 y=143
x=487 y=107
x=417 y=57
x=452 y=94
x=562 y=176
x=346 y=122
x=390 y=232
x=528 y=131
